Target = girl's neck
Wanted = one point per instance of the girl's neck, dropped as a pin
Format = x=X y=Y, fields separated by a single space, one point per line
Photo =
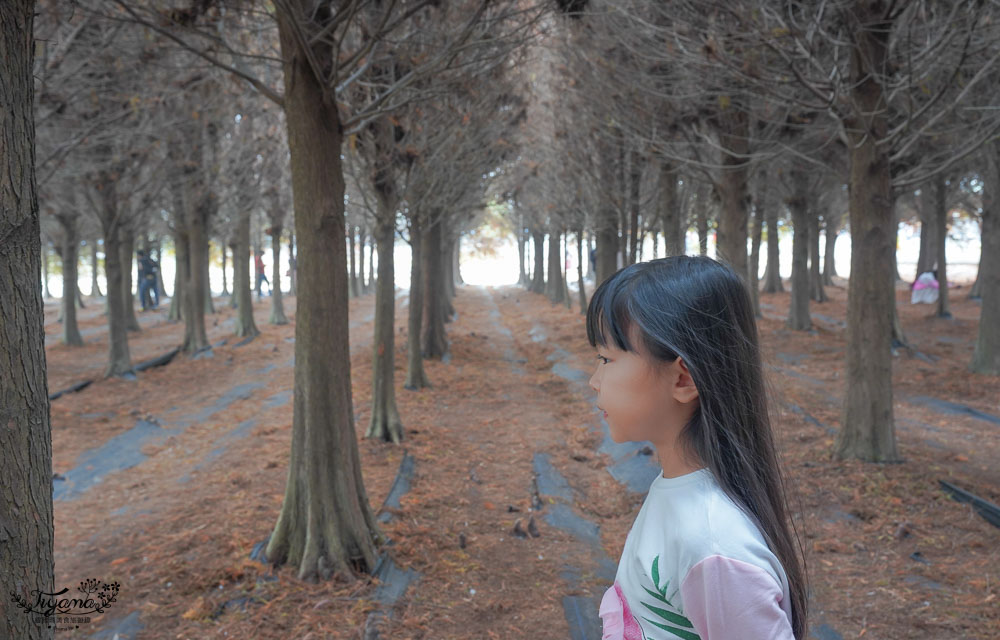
x=673 y=463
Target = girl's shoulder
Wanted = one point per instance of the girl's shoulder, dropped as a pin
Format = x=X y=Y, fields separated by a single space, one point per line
x=686 y=523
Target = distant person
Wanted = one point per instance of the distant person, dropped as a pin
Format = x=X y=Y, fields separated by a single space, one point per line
x=925 y=289
x=148 y=270
x=261 y=276
x=710 y=553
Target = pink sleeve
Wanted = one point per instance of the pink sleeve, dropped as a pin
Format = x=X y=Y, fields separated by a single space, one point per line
x=726 y=599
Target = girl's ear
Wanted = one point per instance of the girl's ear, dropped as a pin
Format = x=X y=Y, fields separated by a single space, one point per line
x=684 y=389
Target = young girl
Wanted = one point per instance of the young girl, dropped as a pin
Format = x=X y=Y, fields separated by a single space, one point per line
x=710 y=555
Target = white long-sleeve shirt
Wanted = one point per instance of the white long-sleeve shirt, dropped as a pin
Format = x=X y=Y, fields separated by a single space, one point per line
x=695 y=567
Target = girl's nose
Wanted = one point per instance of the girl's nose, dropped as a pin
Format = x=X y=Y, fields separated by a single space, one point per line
x=592 y=382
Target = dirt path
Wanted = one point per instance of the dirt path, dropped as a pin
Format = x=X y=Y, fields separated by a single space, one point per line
x=508 y=432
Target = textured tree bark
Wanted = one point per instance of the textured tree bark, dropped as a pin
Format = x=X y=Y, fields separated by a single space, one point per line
x=326 y=525
x=928 y=224
x=126 y=251
x=554 y=286
x=731 y=239
x=207 y=286
x=242 y=291
x=538 y=279
x=385 y=423
x=26 y=527
x=195 y=336
x=772 y=273
x=702 y=224
x=95 y=289
x=372 y=276
x=986 y=355
x=755 y=240
x=433 y=342
x=119 y=360
x=833 y=222
x=816 y=290
x=670 y=210
x=176 y=312
x=867 y=428
x=456 y=263
x=522 y=277
x=634 y=183
x=45 y=272
x=798 y=205
x=291 y=261
x=277 y=305
x=355 y=290
x=940 y=191
x=225 y=283
x=582 y=284
x=416 y=378
x=70 y=329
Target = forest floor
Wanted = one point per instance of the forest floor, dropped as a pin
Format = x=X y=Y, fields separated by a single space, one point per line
x=170 y=480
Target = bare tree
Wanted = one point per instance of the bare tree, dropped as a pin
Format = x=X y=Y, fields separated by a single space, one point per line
x=26 y=532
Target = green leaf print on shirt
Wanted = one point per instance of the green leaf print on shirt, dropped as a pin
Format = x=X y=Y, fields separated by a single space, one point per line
x=675 y=619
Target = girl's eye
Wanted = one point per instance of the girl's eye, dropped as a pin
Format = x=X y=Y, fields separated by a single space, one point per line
x=603 y=359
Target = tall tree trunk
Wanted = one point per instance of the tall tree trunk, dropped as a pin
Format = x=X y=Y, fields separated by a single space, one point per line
x=522 y=278
x=579 y=270
x=277 y=307
x=447 y=278
x=242 y=291
x=635 y=182
x=928 y=223
x=207 y=286
x=70 y=329
x=291 y=261
x=352 y=249
x=195 y=336
x=554 y=286
x=816 y=290
x=26 y=522
x=702 y=222
x=758 y=232
x=833 y=222
x=416 y=378
x=772 y=273
x=385 y=423
x=433 y=342
x=119 y=360
x=127 y=250
x=986 y=355
x=799 y=206
x=867 y=427
x=225 y=284
x=940 y=191
x=95 y=289
x=670 y=210
x=326 y=525
x=456 y=263
x=45 y=271
x=538 y=280
x=176 y=311
x=622 y=193
x=372 y=276
x=734 y=133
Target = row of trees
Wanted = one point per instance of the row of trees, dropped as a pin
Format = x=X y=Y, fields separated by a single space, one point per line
x=391 y=118
x=660 y=116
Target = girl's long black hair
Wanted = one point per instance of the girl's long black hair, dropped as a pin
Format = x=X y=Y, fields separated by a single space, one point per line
x=700 y=309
